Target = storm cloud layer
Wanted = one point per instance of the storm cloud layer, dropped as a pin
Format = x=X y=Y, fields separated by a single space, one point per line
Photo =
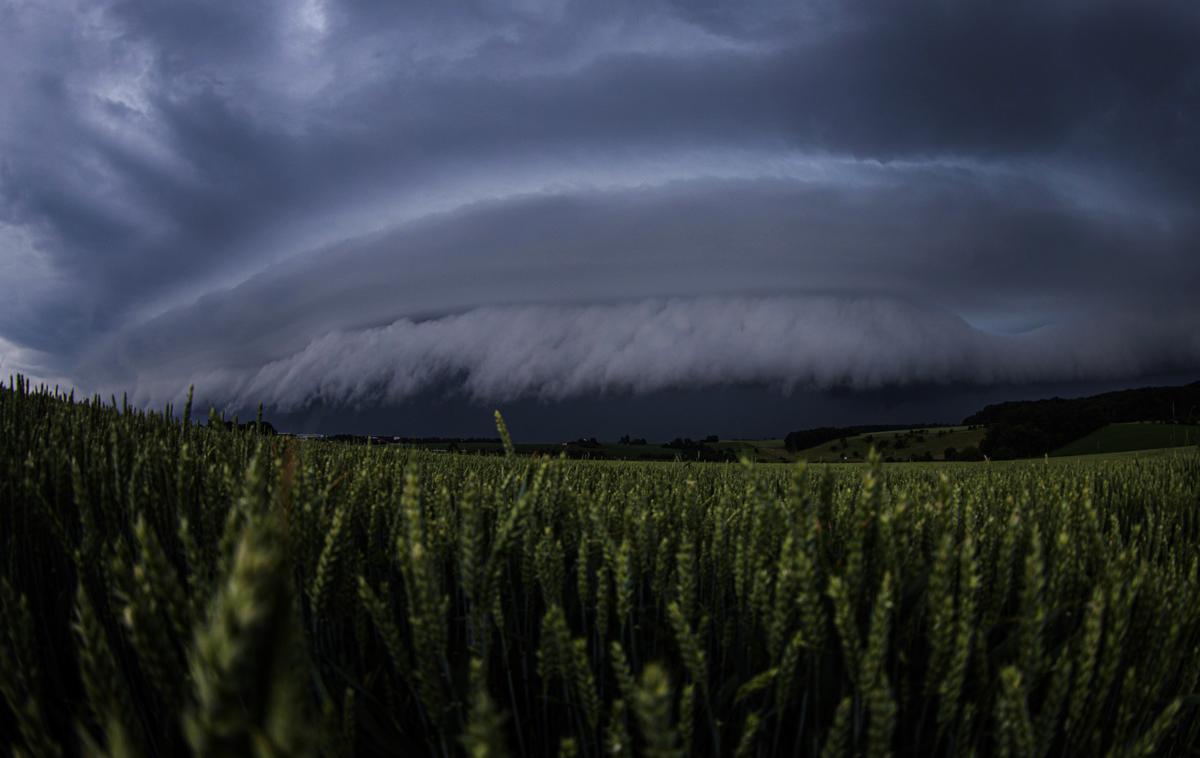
x=556 y=352
x=354 y=202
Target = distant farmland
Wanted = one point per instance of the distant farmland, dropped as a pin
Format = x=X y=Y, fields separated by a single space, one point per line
x=904 y=444
x=1119 y=438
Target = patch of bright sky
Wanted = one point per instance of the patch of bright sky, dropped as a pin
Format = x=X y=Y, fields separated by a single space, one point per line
x=16 y=360
x=312 y=15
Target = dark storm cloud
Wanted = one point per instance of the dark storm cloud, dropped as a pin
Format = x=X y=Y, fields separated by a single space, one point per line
x=198 y=189
x=983 y=256
x=558 y=352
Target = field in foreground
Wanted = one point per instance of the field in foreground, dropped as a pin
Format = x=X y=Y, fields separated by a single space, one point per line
x=170 y=588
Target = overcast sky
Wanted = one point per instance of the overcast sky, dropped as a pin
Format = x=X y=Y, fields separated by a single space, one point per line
x=332 y=207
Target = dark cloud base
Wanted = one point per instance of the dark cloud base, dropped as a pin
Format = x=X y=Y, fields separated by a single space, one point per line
x=747 y=412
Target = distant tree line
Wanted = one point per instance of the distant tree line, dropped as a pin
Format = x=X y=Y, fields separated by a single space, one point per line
x=376 y=439
x=443 y=440
x=263 y=427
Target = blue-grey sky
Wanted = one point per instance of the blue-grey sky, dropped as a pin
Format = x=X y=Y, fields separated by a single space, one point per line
x=324 y=204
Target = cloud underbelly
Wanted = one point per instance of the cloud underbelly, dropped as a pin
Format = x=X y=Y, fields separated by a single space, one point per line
x=556 y=352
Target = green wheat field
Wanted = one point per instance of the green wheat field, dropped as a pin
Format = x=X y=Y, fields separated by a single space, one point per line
x=170 y=588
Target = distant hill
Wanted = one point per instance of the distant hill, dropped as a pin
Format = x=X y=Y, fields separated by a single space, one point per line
x=1030 y=428
x=804 y=439
x=927 y=443
x=1129 y=436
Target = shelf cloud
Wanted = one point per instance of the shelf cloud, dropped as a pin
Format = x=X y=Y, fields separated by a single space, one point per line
x=350 y=203
x=557 y=352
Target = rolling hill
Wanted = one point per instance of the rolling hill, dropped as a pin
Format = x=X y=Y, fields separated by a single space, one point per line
x=1123 y=437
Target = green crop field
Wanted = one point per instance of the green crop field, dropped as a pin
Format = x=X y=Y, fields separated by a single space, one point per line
x=169 y=588
x=1119 y=438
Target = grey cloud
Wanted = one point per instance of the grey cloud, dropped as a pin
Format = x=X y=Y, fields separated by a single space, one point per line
x=982 y=247
x=176 y=165
x=557 y=352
